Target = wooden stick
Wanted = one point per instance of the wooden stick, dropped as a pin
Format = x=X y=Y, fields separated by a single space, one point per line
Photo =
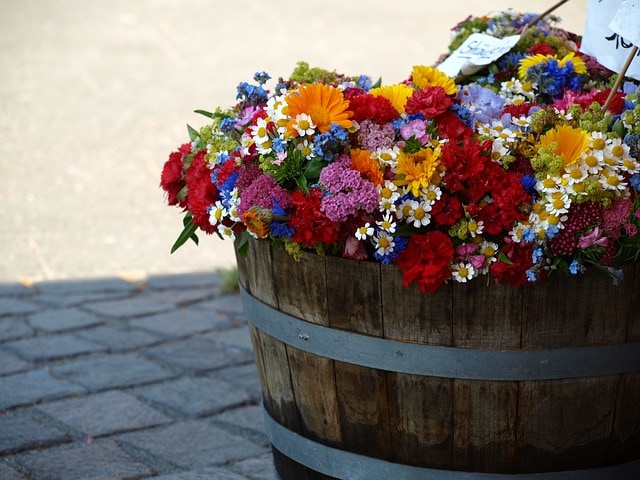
x=545 y=13
x=620 y=78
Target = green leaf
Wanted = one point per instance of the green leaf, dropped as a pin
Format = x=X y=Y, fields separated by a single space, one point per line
x=193 y=133
x=189 y=232
x=314 y=168
x=378 y=83
x=243 y=244
x=205 y=113
x=301 y=181
x=504 y=259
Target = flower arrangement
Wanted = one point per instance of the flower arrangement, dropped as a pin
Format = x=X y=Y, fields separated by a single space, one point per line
x=513 y=173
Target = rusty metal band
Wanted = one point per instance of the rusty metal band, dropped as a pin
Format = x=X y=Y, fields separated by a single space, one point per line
x=346 y=465
x=437 y=361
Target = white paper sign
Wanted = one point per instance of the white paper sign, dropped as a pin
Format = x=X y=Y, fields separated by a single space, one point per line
x=626 y=21
x=477 y=51
x=608 y=47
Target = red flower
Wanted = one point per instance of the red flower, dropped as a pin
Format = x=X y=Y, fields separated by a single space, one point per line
x=201 y=192
x=370 y=107
x=431 y=101
x=426 y=261
x=450 y=126
x=312 y=227
x=172 y=178
x=447 y=210
x=542 y=49
x=514 y=273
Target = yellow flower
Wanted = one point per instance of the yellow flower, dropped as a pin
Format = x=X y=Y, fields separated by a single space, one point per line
x=570 y=142
x=428 y=76
x=323 y=103
x=396 y=94
x=415 y=170
x=526 y=63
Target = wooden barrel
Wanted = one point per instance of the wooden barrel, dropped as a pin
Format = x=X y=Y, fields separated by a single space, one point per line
x=365 y=379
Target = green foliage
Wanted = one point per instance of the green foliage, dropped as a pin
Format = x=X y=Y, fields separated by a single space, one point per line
x=304 y=74
x=188 y=233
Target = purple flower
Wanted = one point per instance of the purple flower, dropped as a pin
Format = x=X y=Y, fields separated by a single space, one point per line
x=346 y=192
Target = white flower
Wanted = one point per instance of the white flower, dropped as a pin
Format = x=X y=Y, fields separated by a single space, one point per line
x=384 y=243
x=462 y=272
x=303 y=124
x=364 y=232
x=387 y=224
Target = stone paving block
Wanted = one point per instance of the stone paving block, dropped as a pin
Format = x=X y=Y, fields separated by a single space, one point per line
x=14 y=289
x=238 y=337
x=9 y=473
x=182 y=322
x=9 y=363
x=229 y=305
x=97 y=460
x=195 y=397
x=250 y=417
x=208 y=280
x=62 y=319
x=243 y=376
x=131 y=307
x=50 y=347
x=20 y=431
x=29 y=387
x=182 y=297
x=198 y=355
x=258 y=468
x=120 y=370
x=202 y=474
x=13 y=328
x=76 y=286
x=192 y=444
x=16 y=306
x=77 y=299
x=120 y=338
x=105 y=413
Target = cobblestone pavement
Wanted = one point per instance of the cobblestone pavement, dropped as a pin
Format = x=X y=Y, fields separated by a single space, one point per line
x=113 y=379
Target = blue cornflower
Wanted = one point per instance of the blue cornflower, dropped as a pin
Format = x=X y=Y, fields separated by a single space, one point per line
x=400 y=245
x=254 y=94
x=227 y=125
x=280 y=229
x=529 y=183
x=221 y=157
x=464 y=115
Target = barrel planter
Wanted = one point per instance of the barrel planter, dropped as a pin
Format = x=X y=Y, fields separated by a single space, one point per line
x=363 y=378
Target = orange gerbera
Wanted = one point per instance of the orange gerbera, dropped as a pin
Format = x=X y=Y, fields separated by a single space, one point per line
x=361 y=160
x=570 y=142
x=323 y=103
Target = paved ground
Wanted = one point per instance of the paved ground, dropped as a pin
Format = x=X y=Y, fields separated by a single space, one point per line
x=118 y=360
x=111 y=379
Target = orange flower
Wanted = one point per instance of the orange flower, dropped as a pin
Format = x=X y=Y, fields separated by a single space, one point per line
x=416 y=170
x=257 y=221
x=323 y=103
x=361 y=160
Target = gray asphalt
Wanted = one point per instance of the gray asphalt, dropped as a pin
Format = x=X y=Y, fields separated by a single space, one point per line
x=117 y=359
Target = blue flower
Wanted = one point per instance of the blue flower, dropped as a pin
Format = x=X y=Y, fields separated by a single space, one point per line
x=576 y=267
x=528 y=235
x=227 y=125
x=253 y=94
x=634 y=181
x=529 y=184
x=532 y=276
x=536 y=255
x=261 y=77
x=552 y=231
x=327 y=145
x=364 y=82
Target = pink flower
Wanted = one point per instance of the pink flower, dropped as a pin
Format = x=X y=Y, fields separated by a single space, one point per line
x=631 y=229
x=593 y=238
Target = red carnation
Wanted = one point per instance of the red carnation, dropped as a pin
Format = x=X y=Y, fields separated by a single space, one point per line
x=312 y=227
x=541 y=49
x=202 y=193
x=431 y=101
x=426 y=261
x=515 y=272
x=447 y=210
x=370 y=107
x=617 y=102
x=172 y=178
